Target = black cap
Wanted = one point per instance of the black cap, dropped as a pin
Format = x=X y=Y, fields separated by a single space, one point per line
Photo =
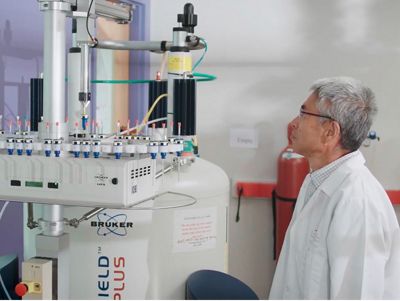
x=188 y=18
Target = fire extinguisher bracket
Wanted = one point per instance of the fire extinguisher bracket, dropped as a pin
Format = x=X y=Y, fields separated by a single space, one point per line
x=261 y=190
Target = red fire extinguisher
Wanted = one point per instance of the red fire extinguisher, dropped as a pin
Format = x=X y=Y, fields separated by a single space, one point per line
x=292 y=169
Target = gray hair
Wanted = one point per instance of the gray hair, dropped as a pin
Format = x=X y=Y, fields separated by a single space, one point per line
x=351 y=104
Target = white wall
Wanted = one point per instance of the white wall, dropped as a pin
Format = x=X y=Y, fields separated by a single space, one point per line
x=266 y=53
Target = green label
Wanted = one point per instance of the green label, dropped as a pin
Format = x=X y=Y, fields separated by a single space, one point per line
x=188 y=146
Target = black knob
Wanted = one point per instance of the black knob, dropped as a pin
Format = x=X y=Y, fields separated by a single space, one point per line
x=114 y=181
x=188 y=18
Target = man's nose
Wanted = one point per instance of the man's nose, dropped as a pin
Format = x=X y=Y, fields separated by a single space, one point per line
x=294 y=123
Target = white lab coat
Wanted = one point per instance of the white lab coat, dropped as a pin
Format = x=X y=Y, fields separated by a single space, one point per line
x=344 y=243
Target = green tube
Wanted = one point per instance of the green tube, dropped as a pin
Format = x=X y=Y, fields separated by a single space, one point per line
x=204 y=77
x=201 y=77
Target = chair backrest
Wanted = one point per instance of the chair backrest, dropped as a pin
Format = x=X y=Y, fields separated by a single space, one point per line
x=215 y=285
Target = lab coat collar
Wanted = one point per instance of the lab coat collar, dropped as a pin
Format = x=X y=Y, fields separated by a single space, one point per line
x=329 y=186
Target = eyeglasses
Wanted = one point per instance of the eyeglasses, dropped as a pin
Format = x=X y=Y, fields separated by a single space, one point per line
x=302 y=113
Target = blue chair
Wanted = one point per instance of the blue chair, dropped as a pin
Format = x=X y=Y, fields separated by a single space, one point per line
x=214 y=285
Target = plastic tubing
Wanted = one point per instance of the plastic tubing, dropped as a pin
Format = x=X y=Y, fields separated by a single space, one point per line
x=202 y=77
x=136 y=127
x=3 y=209
x=147 y=116
x=203 y=55
x=192 y=202
x=4 y=288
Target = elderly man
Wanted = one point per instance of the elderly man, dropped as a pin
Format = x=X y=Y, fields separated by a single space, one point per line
x=344 y=240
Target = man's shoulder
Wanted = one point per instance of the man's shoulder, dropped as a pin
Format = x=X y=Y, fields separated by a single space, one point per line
x=361 y=189
x=353 y=181
x=361 y=177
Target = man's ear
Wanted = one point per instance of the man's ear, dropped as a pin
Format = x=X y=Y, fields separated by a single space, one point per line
x=332 y=131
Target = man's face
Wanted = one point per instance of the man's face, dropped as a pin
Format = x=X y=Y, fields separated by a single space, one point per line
x=307 y=130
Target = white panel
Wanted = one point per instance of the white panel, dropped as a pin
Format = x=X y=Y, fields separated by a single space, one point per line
x=102 y=182
x=131 y=254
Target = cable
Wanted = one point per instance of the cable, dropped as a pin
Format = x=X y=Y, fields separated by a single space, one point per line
x=147 y=116
x=1 y=279
x=202 y=57
x=163 y=64
x=149 y=123
x=4 y=288
x=136 y=127
x=3 y=209
x=194 y=201
x=204 y=77
x=94 y=40
x=75 y=222
x=240 y=193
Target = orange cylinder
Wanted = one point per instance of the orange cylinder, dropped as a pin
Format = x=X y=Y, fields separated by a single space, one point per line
x=292 y=169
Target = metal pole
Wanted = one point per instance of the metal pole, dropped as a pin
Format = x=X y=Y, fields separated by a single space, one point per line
x=133 y=45
x=53 y=220
x=54 y=64
x=158 y=46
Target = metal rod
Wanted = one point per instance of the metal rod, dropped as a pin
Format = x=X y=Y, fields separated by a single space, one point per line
x=166 y=170
x=132 y=45
x=31 y=224
x=54 y=65
x=90 y=214
x=75 y=222
x=85 y=67
x=144 y=45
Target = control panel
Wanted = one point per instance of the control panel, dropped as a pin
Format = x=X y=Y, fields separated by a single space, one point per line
x=114 y=174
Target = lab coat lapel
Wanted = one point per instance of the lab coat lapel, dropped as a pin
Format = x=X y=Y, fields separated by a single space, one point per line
x=338 y=176
x=300 y=199
x=329 y=186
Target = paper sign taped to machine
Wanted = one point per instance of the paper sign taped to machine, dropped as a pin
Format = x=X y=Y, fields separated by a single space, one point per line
x=195 y=229
x=243 y=138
